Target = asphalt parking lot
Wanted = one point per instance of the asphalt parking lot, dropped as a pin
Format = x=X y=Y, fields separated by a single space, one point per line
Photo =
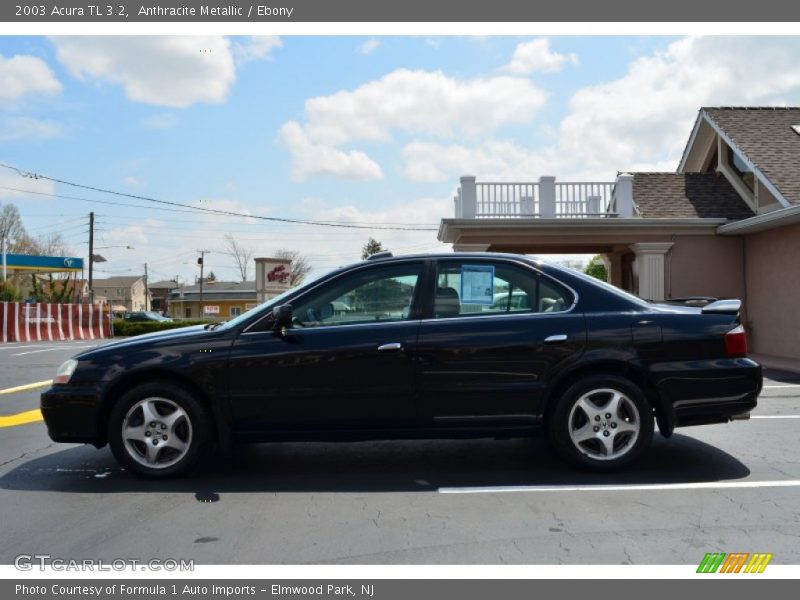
x=728 y=488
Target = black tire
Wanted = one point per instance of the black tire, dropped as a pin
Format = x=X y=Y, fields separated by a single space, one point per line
x=192 y=430
x=570 y=421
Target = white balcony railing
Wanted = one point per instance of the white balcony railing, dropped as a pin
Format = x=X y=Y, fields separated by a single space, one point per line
x=546 y=199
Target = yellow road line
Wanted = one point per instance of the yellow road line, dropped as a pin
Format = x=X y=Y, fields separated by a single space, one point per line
x=26 y=387
x=29 y=416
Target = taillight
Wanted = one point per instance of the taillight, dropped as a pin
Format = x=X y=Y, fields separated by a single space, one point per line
x=736 y=341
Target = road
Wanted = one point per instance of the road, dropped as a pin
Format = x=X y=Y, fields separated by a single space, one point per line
x=727 y=488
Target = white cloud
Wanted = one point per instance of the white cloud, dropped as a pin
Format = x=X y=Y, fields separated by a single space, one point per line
x=23 y=75
x=10 y=179
x=643 y=119
x=639 y=121
x=536 y=56
x=310 y=159
x=131 y=180
x=162 y=70
x=28 y=129
x=421 y=102
x=369 y=46
x=255 y=48
x=160 y=121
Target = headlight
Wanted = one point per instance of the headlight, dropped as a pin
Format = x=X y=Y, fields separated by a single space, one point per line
x=65 y=371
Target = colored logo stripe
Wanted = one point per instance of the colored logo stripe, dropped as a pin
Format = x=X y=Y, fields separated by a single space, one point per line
x=734 y=562
x=758 y=563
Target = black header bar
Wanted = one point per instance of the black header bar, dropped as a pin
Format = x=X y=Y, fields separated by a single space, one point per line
x=454 y=11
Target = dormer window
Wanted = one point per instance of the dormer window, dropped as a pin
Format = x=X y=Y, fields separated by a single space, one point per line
x=741 y=168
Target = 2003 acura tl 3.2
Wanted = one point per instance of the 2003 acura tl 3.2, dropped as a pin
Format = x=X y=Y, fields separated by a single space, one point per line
x=442 y=346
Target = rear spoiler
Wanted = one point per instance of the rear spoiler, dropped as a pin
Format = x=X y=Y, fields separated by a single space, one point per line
x=723 y=307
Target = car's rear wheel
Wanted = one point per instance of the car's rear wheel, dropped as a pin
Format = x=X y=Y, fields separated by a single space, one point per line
x=602 y=422
x=159 y=430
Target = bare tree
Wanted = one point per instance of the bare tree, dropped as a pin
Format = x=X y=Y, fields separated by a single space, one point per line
x=11 y=227
x=52 y=245
x=299 y=267
x=241 y=255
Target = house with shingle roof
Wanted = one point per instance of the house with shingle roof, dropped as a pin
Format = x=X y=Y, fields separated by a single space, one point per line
x=725 y=224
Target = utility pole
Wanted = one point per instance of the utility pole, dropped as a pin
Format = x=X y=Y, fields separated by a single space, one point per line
x=91 y=256
x=146 y=290
x=200 y=262
x=3 y=241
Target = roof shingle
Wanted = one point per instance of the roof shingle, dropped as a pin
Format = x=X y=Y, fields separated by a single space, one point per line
x=687 y=196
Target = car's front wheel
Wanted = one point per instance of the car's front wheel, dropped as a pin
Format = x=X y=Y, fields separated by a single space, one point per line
x=159 y=430
x=602 y=422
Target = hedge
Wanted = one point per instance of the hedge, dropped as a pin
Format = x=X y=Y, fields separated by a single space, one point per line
x=123 y=328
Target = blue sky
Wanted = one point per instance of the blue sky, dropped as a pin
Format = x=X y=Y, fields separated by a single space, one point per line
x=351 y=129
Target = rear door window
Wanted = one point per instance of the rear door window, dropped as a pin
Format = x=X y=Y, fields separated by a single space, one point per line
x=465 y=288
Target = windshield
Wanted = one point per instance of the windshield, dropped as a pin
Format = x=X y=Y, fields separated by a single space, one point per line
x=265 y=306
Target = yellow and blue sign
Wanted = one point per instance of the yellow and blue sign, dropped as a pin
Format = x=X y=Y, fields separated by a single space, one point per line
x=59 y=264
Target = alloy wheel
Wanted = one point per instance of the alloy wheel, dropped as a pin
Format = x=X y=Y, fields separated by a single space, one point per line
x=604 y=424
x=156 y=433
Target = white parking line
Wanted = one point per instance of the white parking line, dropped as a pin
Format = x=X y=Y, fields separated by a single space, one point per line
x=775 y=416
x=50 y=349
x=703 y=485
x=779 y=387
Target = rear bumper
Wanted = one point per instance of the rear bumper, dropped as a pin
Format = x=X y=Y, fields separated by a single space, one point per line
x=71 y=414
x=708 y=391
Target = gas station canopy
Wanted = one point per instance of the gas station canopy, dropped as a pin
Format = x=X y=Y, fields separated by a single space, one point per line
x=55 y=264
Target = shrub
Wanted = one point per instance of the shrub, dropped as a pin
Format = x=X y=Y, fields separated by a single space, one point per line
x=9 y=292
x=596 y=269
x=123 y=328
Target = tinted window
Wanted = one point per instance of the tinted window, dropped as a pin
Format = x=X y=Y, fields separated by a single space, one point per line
x=369 y=296
x=465 y=289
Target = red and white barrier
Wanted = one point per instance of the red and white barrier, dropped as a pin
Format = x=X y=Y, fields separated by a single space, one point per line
x=53 y=322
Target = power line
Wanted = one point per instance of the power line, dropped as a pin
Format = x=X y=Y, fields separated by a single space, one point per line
x=216 y=211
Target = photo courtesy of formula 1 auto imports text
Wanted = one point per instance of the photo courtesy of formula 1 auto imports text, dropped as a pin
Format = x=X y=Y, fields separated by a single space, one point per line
x=340 y=299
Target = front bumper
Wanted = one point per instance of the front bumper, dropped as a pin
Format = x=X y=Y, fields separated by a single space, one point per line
x=72 y=414
x=709 y=391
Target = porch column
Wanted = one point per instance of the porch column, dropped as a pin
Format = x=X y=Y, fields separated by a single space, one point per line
x=613 y=264
x=650 y=268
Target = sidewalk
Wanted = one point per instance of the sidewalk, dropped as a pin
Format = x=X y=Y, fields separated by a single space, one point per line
x=790 y=365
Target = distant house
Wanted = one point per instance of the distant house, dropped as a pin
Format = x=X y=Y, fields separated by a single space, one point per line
x=121 y=293
x=224 y=299
x=725 y=224
x=159 y=294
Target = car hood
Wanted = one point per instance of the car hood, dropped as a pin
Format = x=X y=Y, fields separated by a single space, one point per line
x=147 y=338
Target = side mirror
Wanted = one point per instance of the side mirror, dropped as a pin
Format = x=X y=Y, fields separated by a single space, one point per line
x=282 y=316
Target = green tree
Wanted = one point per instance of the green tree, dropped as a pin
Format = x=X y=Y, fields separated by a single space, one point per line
x=372 y=246
x=596 y=269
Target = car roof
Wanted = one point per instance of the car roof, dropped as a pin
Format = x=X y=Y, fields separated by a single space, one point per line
x=450 y=255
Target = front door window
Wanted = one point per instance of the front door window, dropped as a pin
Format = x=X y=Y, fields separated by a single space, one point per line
x=370 y=296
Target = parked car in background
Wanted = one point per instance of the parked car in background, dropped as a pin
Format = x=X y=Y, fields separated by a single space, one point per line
x=148 y=315
x=415 y=346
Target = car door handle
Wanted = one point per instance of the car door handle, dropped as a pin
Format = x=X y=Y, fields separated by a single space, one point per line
x=556 y=339
x=393 y=347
